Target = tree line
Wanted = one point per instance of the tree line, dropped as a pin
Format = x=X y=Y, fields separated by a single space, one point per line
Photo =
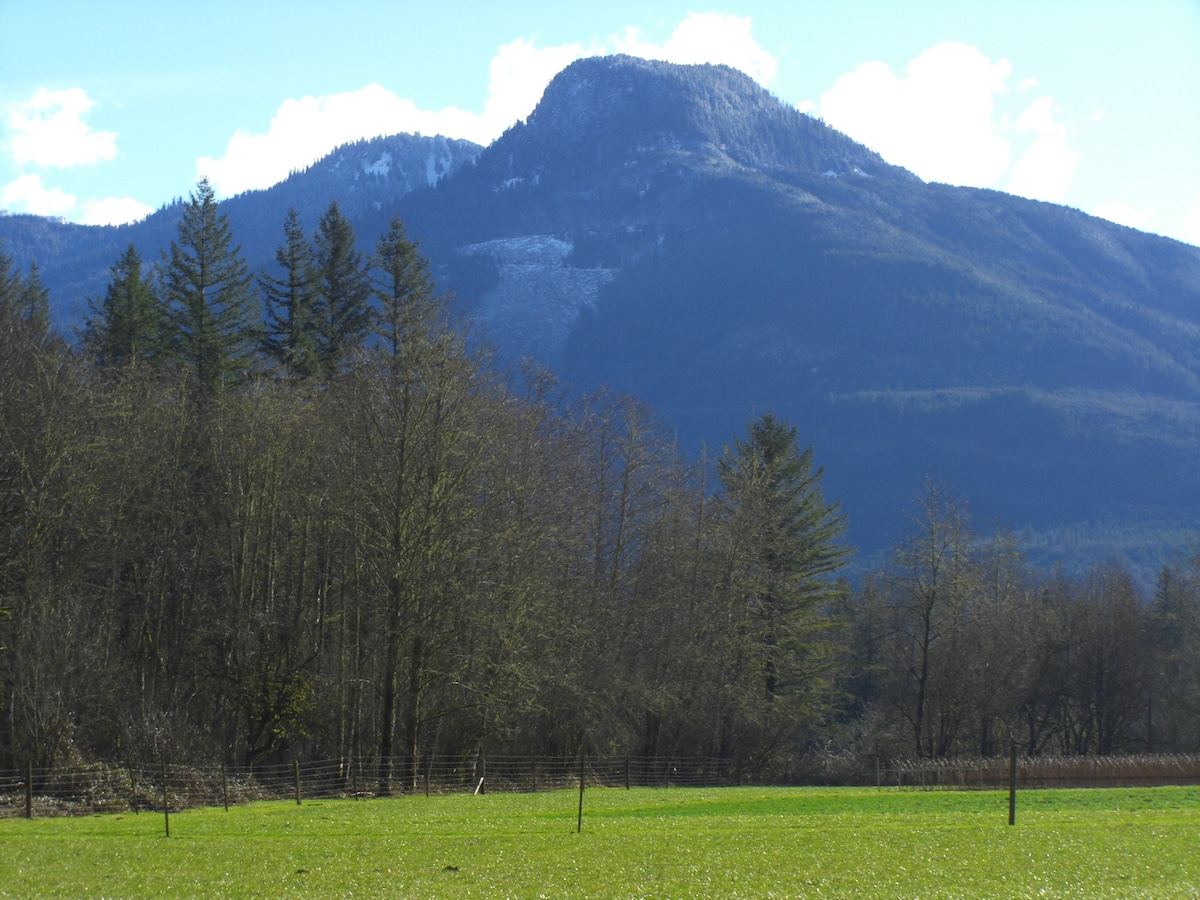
x=305 y=515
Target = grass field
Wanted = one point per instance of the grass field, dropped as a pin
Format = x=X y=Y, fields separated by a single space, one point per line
x=729 y=842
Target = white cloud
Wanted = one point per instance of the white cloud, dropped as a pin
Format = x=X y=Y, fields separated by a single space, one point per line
x=1189 y=230
x=304 y=130
x=48 y=130
x=941 y=121
x=707 y=38
x=114 y=211
x=937 y=120
x=517 y=77
x=1123 y=214
x=28 y=194
x=1045 y=169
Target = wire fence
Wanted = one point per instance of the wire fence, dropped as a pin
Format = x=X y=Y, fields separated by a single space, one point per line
x=1044 y=772
x=159 y=787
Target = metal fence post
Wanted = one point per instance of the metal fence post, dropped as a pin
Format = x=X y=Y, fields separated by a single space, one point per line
x=582 y=761
x=162 y=762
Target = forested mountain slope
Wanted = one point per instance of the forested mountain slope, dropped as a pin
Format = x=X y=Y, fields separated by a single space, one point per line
x=745 y=256
x=677 y=233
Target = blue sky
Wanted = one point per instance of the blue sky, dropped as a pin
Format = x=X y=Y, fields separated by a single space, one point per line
x=108 y=111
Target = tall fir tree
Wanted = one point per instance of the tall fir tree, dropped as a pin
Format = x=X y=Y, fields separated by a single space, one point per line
x=344 y=310
x=292 y=335
x=407 y=308
x=10 y=285
x=127 y=325
x=208 y=290
x=785 y=545
x=33 y=304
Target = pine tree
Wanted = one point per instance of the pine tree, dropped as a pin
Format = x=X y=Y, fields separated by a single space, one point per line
x=33 y=302
x=404 y=289
x=10 y=285
x=785 y=542
x=292 y=335
x=208 y=290
x=345 y=291
x=127 y=325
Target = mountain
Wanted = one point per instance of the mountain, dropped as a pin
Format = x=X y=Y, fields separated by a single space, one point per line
x=678 y=233
x=365 y=177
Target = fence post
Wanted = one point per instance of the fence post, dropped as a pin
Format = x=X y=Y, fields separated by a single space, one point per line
x=162 y=761
x=133 y=800
x=582 y=760
x=296 y=771
x=626 y=771
x=533 y=772
x=1012 y=785
x=224 y=788
x=29 y=789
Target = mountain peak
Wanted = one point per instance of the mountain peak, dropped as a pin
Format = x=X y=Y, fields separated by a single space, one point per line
x=611 y=106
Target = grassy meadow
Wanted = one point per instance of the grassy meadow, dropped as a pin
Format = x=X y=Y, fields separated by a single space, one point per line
x=726 y=842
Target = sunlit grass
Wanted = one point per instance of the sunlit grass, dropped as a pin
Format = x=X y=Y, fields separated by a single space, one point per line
x=644 y=843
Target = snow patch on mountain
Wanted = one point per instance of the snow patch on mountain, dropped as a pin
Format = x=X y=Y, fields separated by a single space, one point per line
x=381 y=166
x=539 y=295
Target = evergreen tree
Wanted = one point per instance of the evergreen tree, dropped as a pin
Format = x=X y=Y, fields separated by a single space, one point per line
x=404 y=289
x=291 y=303
x=208 y=289
x=345 y=291
x=10 y=285
x=127 y=325
x=33 y=302
x=785 y=545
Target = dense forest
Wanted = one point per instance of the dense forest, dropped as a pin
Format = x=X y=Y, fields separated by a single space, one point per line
x=304 y=514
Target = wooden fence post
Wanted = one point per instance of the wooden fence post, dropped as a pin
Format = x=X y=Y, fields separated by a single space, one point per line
x=296 y=771
x=1012 y=785
x=224 y=788
x=29 y=789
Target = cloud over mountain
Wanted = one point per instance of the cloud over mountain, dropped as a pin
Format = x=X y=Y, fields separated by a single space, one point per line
x=305 y=129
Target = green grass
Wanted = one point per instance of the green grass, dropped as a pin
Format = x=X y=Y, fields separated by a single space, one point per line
x=744 y=842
